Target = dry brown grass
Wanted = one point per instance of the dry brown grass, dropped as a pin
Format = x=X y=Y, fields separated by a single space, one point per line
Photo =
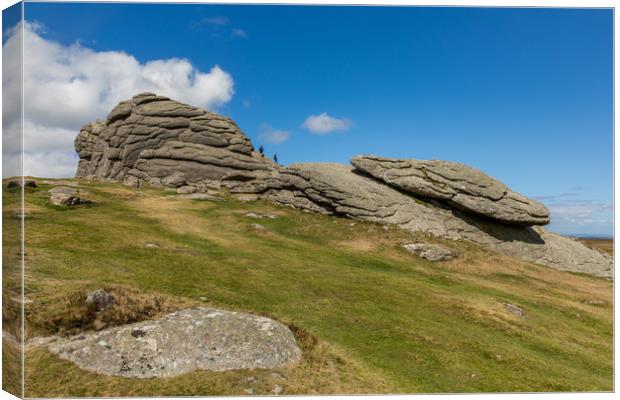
x=178 y=215
x=70 y=314
x=607 y=245
x=325 y=370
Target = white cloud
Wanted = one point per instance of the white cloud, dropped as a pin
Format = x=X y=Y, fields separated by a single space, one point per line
x=67 y=86
x=323 y=124
x=49 y=151
x=581 y=212
x=273 y=136
x=240 y=33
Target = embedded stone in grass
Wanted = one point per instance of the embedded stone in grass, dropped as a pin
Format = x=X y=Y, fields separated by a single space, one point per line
x=515 y=309
x=431 y=252
x=258 y=227
x=101 y=299
x=246 y=197
x=187 y=189
x=260 y=216
x=199 y=338
x=64 y=196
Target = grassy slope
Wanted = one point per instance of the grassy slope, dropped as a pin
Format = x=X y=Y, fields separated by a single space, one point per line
x=385 y=320
x=11 y=294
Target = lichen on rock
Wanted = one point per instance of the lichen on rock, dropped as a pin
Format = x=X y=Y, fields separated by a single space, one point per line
x=187 y=340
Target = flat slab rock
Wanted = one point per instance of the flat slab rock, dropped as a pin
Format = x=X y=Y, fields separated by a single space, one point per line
x=64 y=196
x=463 y=187
x=431 y=252
x=199 y=338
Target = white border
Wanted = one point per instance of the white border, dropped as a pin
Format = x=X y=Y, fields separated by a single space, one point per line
x=447 y=3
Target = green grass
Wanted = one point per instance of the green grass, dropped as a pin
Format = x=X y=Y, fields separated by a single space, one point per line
x=385 y=320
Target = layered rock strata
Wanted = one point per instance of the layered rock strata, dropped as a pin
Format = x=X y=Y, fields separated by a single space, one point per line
x=338 y=190
x=464 y=187
x=151 y=139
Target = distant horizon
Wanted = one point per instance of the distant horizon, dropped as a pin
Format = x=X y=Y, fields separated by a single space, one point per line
x=525 y=95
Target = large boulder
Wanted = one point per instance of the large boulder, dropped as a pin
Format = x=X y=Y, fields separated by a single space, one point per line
x=336 y=189
x=152 y=139
x=464 y=187
x=187 y=340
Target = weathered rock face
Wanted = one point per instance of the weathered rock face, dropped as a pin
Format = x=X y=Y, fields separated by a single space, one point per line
x=201 y=338
x=338 y=190
x=152 y=139
x=463 y=187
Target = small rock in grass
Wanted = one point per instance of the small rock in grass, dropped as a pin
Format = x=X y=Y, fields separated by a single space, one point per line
x=151 y=246
x=132 y=181
x=101 y=299
x=431 y=252
x=64 y=196
x=277 y=389
x=515 y=309
x=260 y=216
x=258 y=227
x=247 y=197
x=187 y=189
x=248 y=391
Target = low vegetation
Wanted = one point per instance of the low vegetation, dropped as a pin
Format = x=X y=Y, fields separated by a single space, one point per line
x=370 y=317
x=606 y=245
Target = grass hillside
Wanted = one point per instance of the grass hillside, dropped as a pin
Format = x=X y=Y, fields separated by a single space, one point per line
x=370 y=317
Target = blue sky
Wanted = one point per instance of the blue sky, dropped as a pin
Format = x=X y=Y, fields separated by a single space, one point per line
x=526 y=95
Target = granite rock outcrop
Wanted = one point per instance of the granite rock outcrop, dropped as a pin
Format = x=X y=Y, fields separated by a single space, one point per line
x=153 y=140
